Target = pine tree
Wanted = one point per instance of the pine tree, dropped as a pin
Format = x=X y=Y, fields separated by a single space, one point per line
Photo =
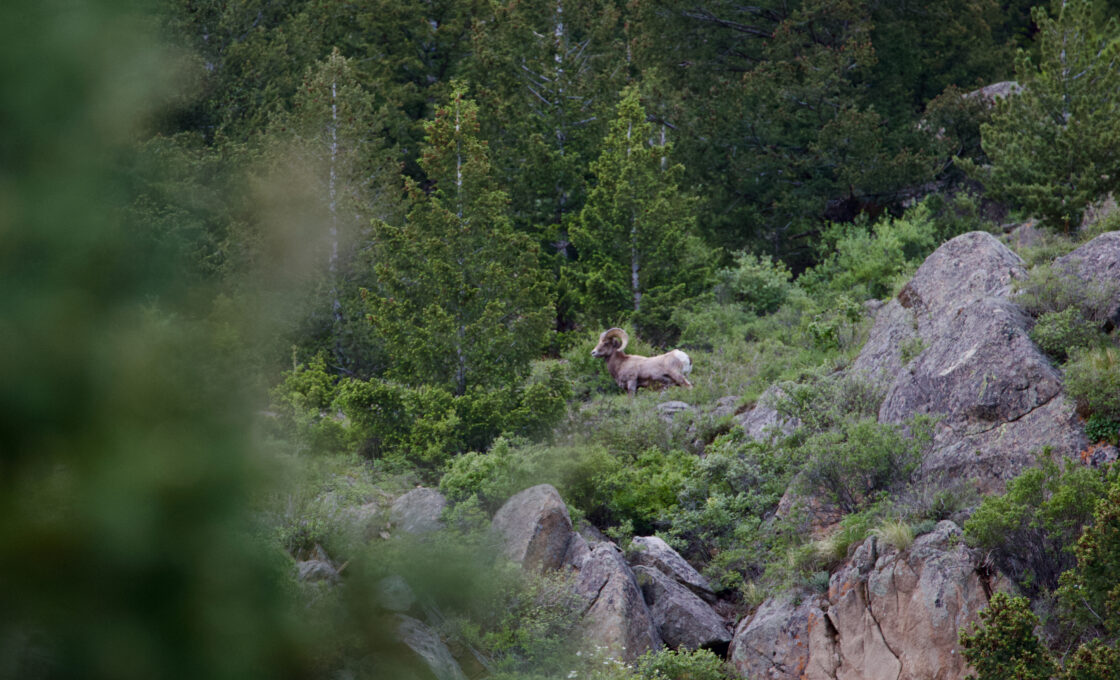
x=1055 y=147
x=548 y=76
x=461 y=302
x=638 y=251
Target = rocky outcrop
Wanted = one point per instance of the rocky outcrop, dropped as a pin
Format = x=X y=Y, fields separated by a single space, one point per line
x=429 y=648
x=651 y=551
x=777 y=642
x=683 y=620
x=955 y=346
x=764 y=421
x=617 y=617
x=535 y=528
x=418 y=511
x=1097 y=265
x=897 y=614
x=888 y=615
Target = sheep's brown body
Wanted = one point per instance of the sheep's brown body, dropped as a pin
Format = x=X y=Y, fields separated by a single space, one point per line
x=631 y=371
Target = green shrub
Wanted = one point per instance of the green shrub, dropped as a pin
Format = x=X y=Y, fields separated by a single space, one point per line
x=869 y=262
x=1031 y=529
x=756 y=283
x=1004 y=644
x=1093 y=660
x=1093 y=380
x=724 y=505
x=1090 y=592
x=853 y=528
x=852 y=465
x=1060 y=333
x=605 y=488
x=684 y=664
x=823 y=402
x=1049 y=289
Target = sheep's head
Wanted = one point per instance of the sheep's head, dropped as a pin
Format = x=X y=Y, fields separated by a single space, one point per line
x=611 y=341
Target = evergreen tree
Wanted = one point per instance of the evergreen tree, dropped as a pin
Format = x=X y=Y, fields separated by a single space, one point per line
x=1055 y=146
x=639 y=254
x=332 y=135
x=461 y=301
x=548 y=76
x=1005 y=645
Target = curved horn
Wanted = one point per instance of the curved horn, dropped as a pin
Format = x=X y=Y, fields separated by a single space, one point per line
x=616 y=333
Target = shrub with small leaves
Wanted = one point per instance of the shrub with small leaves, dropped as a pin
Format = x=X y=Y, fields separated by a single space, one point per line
x=1093 y=380
x=1092 y=661
x=684 y=664
x=1059 y=333
x=755 y=282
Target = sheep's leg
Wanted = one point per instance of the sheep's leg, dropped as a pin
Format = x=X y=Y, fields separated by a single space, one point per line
x=632 y=386
x=679 y=379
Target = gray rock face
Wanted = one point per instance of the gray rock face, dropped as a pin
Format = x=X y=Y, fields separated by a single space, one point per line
x=763 y=420
x=683 y=620
x=668 y=409
x=651 y=551
x=535 y=528
x=312 y=571
x=972 y=364
x=888 y=615
x=897 y=614
x=431 y=650
x=616 y=617
x=1097 y=264
x=881 y=357
x=776 y=642
x=965 y=269
x=418 y=511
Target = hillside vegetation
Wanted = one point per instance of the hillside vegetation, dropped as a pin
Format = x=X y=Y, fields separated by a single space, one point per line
x=271 y=266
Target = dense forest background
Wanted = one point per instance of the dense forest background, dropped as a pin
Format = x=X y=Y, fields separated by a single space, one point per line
x=251 y=248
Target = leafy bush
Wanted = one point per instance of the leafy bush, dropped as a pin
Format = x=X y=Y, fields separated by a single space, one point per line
x=1004 y=644
x=852 y=465
x=684 y=664
x=1060 y=333
x=1098 y=428
x=869 y=262
x=1031 y=529
x=606 y=488
x=756 y=283
x=724 y=506
x=1093 y=380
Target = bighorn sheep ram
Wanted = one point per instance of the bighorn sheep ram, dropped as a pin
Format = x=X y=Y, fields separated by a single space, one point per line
x=631 y=372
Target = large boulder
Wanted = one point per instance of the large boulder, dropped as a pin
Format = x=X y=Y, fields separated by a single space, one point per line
x=683 y=620
x=535 y=528
x=956 y=347
x=1097 y=265
x=653 y=552
x=418 y=511
x=616 y=617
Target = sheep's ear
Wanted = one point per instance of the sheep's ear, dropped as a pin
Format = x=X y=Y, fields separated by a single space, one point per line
x=616 y=342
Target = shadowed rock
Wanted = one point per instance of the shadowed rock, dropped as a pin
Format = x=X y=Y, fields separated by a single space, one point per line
x=535 y=528
x=617 y=617
x=683 y=620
